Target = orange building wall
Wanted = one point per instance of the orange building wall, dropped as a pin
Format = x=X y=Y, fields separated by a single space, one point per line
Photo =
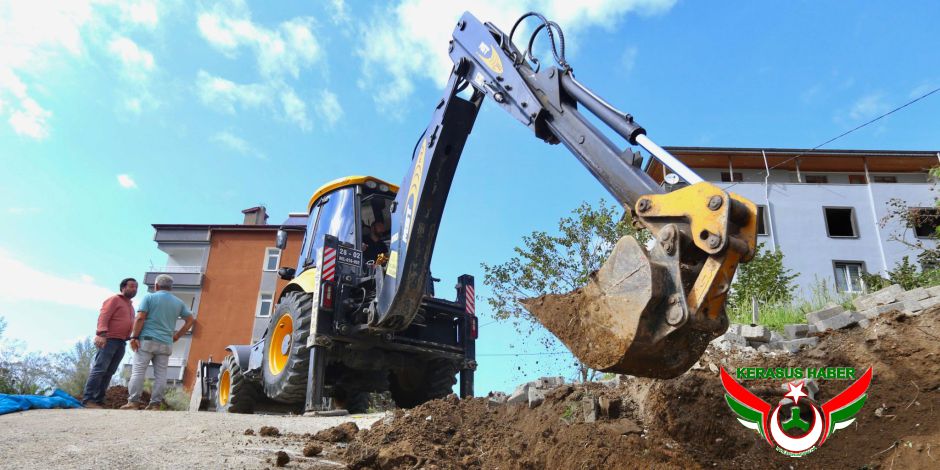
x=230 y=290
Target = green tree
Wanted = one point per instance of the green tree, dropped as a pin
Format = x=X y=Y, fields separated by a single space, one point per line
x=71 y=368
x=765 y=277
x=556 y=264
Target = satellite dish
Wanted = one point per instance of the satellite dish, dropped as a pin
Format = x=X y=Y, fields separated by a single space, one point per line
x=672 y=178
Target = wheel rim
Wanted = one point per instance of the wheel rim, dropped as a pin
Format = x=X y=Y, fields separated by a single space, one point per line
x=279 y=346
x=225 y=384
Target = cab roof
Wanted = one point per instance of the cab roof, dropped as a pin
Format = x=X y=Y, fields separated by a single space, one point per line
x=344 y=182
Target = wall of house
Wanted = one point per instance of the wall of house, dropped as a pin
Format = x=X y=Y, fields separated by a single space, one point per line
x=229 y=296
x=798 y=225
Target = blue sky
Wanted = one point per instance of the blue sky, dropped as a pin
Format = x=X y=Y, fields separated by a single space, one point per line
x=118 y=115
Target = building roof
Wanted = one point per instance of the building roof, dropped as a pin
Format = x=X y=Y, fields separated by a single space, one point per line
x=758 y=152
x=226 y=227
x=886 y=161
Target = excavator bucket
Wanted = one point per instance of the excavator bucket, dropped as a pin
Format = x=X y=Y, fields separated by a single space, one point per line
x=651 y=312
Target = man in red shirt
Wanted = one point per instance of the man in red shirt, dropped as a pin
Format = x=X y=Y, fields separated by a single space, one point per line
x=114 y=327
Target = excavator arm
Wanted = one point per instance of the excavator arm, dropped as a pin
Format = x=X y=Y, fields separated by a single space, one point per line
x=650 y=310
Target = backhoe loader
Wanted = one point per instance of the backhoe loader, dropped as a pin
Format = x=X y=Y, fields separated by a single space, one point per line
x=346 y=325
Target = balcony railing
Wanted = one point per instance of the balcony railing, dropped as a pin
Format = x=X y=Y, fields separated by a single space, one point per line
x=176 y=269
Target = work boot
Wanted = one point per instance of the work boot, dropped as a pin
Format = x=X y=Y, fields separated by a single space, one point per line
x=154 y=407
x=132 y=406
x=93 y=406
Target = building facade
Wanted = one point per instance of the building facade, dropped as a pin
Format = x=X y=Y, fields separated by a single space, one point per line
x=227 y=274
x=826 y=210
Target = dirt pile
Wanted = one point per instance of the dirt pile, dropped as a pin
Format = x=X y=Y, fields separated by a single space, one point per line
x=684 y=422
x=116 y=397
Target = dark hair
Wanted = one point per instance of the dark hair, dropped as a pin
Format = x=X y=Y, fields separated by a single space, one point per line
x=125 y=281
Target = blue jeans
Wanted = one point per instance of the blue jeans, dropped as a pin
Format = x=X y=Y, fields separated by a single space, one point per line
x=107 y=360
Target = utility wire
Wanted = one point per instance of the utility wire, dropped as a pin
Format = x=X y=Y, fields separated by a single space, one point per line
x=525 y=354
x=847 y=132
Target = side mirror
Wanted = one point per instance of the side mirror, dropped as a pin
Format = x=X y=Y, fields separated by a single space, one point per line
x=286 y=273
x=281 y=241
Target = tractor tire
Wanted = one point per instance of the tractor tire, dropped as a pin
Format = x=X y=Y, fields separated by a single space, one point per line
x=413 y=387
x=286 y=355
x=235 y=392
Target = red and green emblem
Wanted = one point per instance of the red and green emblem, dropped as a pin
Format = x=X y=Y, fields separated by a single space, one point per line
x=786 y=427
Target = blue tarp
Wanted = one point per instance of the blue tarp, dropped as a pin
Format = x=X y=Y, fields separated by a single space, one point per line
x=58 y=399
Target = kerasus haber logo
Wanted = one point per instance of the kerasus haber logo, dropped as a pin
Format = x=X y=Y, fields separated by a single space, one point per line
x=797 y=425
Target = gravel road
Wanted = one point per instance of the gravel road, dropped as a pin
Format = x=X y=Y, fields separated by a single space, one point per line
x=157 y=439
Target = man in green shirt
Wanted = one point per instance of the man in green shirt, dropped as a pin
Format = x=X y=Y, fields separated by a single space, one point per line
x=152 y=340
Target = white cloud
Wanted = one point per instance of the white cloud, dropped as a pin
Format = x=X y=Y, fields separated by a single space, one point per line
x=340 y=12
x=126 y=182
x=37 y=37
x=27 y=117
x=628 y=59
x=922 y=90
x=87 y=279
x=295 y=110
x=328 y=108
x=408 y=41
x=25 y=283
x=868 y=106
x=281 y=51
x=233 y=142
x=224 y=94
x=137 y=62
x=23 y=210
x=144 y=13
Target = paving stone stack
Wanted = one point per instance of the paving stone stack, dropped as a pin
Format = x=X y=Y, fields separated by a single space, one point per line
x=534 y=392
x=831 y=317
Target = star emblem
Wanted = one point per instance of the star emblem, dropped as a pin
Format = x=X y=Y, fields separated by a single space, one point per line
x=796 y=391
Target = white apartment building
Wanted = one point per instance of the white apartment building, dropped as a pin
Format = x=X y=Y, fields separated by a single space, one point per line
x=825 y=210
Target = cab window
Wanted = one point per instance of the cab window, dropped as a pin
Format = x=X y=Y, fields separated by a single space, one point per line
x=337 y=217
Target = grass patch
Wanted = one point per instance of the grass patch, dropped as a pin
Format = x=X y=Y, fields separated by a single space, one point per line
x=776 y=315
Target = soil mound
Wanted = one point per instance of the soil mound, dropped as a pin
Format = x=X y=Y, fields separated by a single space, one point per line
x=116 y=397
x=684 y=422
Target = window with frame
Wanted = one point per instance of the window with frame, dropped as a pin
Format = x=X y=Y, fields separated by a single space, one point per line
x=885 y=179
x=924 y=221
x=272 y=258
x=818 y=179
x=730 y=177
x=762 y=221
x=840 y=222
x=848 y=276
x=857 y=179
x=265 y=303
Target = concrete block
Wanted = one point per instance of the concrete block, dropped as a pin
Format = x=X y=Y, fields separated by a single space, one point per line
x=930 y=302
x=795 y=330
x=590 y=409
x=775 y=337
x=735 y=328
x=794 y=345
x=933 y=291
x=730 y=341
x=536 y=397
x=914 y=294
x=830 y=311
x=873 y=312
x=757 y=333
x=548 y=383
x=521 y=395
x=882 y=297
x=842 y=320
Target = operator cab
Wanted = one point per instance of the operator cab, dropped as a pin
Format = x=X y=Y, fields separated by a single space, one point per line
x=356 y=210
